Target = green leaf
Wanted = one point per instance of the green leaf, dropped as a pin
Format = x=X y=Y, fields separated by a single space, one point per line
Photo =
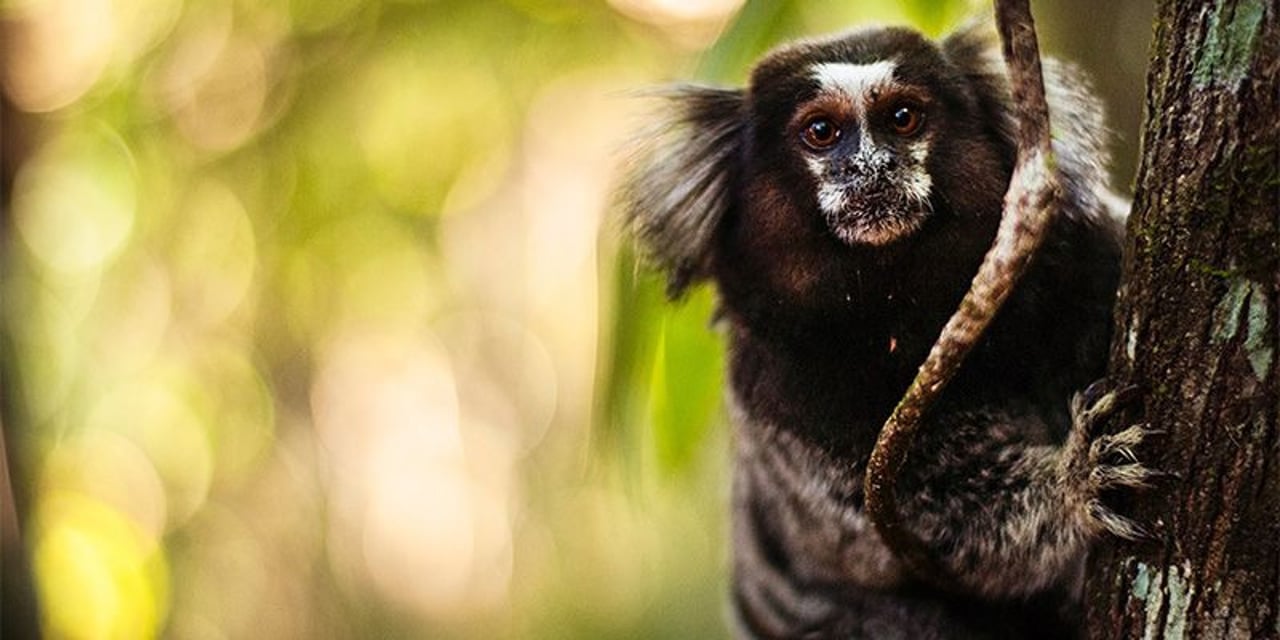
x=686 y=382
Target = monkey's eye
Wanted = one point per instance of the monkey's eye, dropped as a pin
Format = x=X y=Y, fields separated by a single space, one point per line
x=906 y=120
x=821 y=134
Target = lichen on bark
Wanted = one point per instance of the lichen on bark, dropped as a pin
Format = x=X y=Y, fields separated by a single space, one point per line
x=1197 y=330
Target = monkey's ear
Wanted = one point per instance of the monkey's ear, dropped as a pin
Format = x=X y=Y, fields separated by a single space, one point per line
x=680 y=180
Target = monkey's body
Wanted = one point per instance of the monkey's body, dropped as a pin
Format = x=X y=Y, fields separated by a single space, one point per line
x=807 y=413
x=841 y=205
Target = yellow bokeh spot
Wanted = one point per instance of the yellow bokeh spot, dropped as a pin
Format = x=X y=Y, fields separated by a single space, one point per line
x=59 y=53
x=212 y=260
x=74 y=204
x=156 y=413
x=99 y=575
x=415 y=142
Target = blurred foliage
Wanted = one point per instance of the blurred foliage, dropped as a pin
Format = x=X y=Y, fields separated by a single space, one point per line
x=317 y=324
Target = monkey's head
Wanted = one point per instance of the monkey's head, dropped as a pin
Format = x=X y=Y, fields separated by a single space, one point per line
x=853 y=120
x=848 y=159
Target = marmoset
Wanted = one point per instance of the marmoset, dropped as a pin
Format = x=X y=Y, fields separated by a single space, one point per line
x=840 y=204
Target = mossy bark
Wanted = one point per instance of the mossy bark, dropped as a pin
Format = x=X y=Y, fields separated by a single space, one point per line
x=1197 y=331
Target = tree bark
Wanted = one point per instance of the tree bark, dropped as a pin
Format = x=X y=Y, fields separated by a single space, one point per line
x=1197 y=332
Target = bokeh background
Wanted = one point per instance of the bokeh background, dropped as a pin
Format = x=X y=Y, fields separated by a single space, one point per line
x=316 y=323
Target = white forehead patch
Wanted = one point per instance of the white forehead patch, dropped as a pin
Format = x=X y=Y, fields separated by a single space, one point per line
x=854 y=80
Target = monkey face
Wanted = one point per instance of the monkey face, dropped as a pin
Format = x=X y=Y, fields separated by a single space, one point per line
x=856 y=119
x=862 y=137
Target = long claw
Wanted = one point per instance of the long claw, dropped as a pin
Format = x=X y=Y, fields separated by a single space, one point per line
x=1117 y=524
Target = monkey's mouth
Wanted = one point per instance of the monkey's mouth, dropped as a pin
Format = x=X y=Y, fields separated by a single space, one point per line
x=874 y=218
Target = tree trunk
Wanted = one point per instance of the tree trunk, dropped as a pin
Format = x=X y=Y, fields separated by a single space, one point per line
x=1197 y=332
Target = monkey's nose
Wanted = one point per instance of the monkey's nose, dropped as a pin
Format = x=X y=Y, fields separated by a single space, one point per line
x=851 y=167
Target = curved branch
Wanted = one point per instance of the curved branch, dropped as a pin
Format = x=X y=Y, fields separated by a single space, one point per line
x=1029 y=206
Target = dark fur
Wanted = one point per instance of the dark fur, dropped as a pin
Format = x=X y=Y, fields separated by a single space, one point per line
x=824 y=337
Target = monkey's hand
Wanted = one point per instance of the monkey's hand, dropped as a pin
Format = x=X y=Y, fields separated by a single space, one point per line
x=1008 y=513
x=1093 y=463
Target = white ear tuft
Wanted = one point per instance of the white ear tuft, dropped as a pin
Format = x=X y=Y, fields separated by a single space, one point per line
x=680 y=179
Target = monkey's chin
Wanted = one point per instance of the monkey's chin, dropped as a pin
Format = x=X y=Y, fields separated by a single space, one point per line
x=876 y=230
